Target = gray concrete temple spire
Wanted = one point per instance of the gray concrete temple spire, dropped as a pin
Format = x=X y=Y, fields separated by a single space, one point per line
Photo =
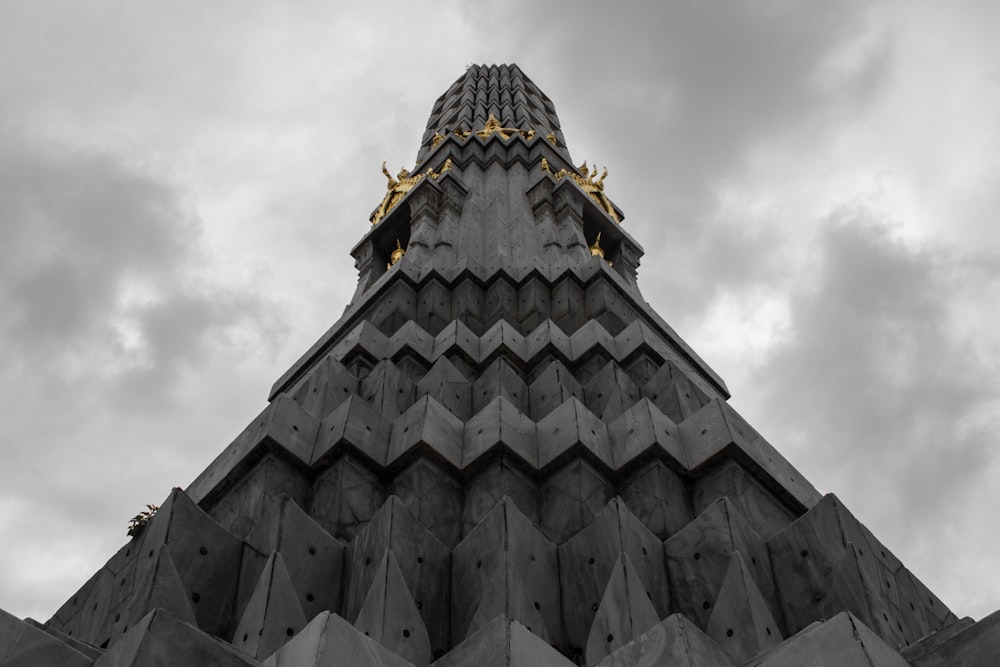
x=500 y=455
x=502 y=91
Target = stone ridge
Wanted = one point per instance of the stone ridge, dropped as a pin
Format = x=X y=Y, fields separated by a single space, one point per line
x=501 y=90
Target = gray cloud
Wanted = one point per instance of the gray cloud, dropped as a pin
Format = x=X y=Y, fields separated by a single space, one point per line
x=875 y=391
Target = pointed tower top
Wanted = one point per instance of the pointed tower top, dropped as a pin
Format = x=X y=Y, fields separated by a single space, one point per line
x=502 y=92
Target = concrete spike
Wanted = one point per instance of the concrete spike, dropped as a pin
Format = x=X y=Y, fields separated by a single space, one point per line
x=828 y=566
x=505 y=565
x=760 y=507
x=330 y=641
x=503 y=643
x=423 y=560
x=611 y=392
x=83 y=647
x=569 y=426
x=434 y=496
x=206 y=557
x=587 y=559
x=674 y=641
x=500 y=478
x=388 y=389
x=499 y=379
x=500 y=424
x=841 y=640
x=427 y=427
x=625 y=612
x=161 y=640
x=282 y=426
x=658 y=496
x=345 y=497
x=553 y=387
x=389 y=615
x=698 y=556
x=161 y=588
x=314 y=558
x=449 y=387
x=571 y=498
x=327 y=385
x=354 y=425
x=642 y=431
x=741 y=620
x=23 y=644
x=273 y=613
x=673 y=393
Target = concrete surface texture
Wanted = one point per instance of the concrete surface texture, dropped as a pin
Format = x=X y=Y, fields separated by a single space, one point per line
x=500 y=455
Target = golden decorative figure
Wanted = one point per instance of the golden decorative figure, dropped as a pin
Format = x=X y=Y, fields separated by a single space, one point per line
x=445 y=167
x=395 y=190
x=438 y=138
x=585 y=179
x=596 y=250
x=551 y=136
x=396 y=255
x=462 y=134
x=492 y=127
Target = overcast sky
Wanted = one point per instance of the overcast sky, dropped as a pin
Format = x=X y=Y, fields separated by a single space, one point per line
x=815 y=184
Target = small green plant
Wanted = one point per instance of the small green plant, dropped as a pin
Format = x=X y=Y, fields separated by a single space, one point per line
x=138 y=523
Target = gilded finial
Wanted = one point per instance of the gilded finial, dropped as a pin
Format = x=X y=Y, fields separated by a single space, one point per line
x=551 y=136
x=395 y=189
x=596 y=250
x=438 y=138
x=396 y=255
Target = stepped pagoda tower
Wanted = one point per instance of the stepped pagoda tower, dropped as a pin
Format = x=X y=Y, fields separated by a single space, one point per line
x=500 y=455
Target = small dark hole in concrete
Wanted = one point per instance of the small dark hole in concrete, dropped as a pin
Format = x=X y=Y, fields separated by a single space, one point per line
x=118 y=617
x=406 y=632
x=294 y=427
x=591 y=561
x=705 y=605
x=368 y=560
x=768 y=631
x=312 y=551
x=420 y=605
x=697 y=555
x=593 y=607
x=611 y=638
x=310 y=597
x=203 y=551
x=245 y=636
x=804 y=553
x=420 y=559
x=537 y=606
x=729 y=632
x=289 y=632
x=479 y=564
x=195 y=598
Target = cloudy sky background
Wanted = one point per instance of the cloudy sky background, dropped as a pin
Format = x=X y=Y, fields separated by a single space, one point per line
x=815 y=185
